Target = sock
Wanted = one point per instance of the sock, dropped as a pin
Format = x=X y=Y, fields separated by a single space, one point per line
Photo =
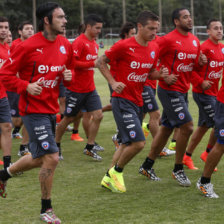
x=62 y=115
x=7 y=161
x=16 y=130
x=58 y=145
x=45 y=204
x=173 y=140
x=107 y=173
x=75 y=131
x=188 y=154
x=118 y=169
x=89 y=147
x=209 y=148
x=148 y=163
x=178 y=167
x=205 y=180
x=148 y=126
x=4 y=175
x=22 y=147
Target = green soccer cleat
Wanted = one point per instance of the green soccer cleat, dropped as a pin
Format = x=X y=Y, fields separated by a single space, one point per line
x=145 y=129
x=172 y=146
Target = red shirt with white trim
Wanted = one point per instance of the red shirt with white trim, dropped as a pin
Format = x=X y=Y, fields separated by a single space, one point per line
x=85 y=52
x=4 y=55
x=213 y=70
x=38 y=59
x=134 y=62
x=179 y=53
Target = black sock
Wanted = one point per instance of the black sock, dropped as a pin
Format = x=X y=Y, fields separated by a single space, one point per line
x=148 y=126
x=173 y=140
x=7 y=161
x=58 y=145
x=205 y=180
x=118 y=169
x=107 y=173
x=188 y=154
x=62 y=115
x=23 y=147
x=75 y=131
x=4 y=175
x=148 y=163
x=89 y=147
x=16 y=130
x=178 y=167
x=45 y=204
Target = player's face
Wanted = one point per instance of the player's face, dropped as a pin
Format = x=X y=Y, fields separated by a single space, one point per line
x=95 y=30
x=27 y=31
x=9 y=38
x=185 y=21
x=215 y=31
x=4 y=29
x=58 y=21
x=148 y=32
x=131 y=33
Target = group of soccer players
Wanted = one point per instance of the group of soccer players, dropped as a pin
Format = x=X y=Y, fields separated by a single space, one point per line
x=136 y=61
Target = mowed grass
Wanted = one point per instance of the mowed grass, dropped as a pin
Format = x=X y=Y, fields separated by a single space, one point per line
x=78 y=197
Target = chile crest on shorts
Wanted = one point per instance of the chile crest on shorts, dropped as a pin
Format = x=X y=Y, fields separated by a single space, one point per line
x=45 y=145
x=181 y=116
x=132 y=134
x=221 y=132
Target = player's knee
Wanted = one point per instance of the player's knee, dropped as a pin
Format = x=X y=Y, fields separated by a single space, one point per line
x=140 y=145
x=98 y=116
x=6 y=128
x=188 y=128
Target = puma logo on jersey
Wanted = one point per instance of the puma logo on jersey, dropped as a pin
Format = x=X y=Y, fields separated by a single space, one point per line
x=76 y=52
x=40 y=50
x=87 y=45
x=212 y=51
x=132 y=49
x=178 y=42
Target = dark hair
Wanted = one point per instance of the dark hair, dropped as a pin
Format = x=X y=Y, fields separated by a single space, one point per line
x=81 y=29
x=176 y=14
x=210 y=21
x=3 y=19
x=45 y=10
x=92 y=19
x=21 y=25
x=144 y=16
x=125 y=29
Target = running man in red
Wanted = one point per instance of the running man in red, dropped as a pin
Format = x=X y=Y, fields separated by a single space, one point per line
x=136 y=59
x=5 y=118
x=206 y=100
x=179 y=52
x=82 y=94
x=38 y=85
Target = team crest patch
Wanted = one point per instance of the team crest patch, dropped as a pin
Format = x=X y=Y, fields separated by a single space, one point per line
x=223 y=50
x=181 y=116
x=195 y=43
x=69 y=110
x=150 y=106
x=153 y=54
x=62 y=49
x=221 y=132
x=45 y=145
x=132 y=134
x=13 y=112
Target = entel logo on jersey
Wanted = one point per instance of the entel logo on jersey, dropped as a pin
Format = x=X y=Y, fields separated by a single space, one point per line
x=183 y=56
x=45 y=145
x=214 y=64
x=62 y=50
x=195 y=43
x=45 y=68
x=136 y=65
x=221 y=132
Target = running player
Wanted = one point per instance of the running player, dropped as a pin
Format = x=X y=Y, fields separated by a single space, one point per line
x=136 y=59
x=179 y=52
x=206 y=100
x=82 y=92
x=38 y=85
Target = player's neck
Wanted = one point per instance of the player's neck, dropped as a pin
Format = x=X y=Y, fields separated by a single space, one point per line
x=141 y=41
x=183 y=32
x=2 y=41
x=214 y=41
x=89 y=37
x=49 y=35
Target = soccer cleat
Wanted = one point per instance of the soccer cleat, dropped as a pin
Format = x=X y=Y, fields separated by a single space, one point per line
x=61 y=157
x=69 y=128
x=181 y=178
x=3 y=193
x=76 y=137
x=17 y=136
x=149 y=173
x=106 y=183
x=117 y=181
x=172 y=146
x=50 y=217
x=187 y=161
x=97 y=147
x=204 y=156
x=24 y=152
x=167 y=152
x=206 y=189
x=115 y=141
x=1 y=163
x=145 y=129
x=93 y=154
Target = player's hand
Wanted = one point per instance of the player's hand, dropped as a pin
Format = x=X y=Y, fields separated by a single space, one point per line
x=118 y=86
x=206 y=84
x=170 y=79
x=34 y=88
x=67 y=74
x=202 y=59
x=163 y=71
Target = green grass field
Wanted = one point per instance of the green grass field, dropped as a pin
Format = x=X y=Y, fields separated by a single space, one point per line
x=78 y=198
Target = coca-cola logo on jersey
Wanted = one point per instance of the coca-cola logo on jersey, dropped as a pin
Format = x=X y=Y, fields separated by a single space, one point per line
x=185 y=68
x=183 y=56
x=214 y=64
x=91 y=57
x=45 y=68
x=48 y=83
x=133 y=77
x=136 y=65
x=215 y=75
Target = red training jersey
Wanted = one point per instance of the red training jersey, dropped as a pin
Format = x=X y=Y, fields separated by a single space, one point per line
x=213 y=70
x=85 y=52
x=15 y=43
x=134 y=62
x=179 y=53
x=38 y=59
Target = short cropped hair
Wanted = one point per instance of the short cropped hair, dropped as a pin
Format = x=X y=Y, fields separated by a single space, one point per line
x=144 y=16
x=176 y=14
x=21 y=25
x=3 y=19
x=125 y=29
x=92 y=19
x=210 y=21
x=45 y=10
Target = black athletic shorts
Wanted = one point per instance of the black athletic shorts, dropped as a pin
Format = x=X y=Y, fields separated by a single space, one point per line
x=149 y=100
